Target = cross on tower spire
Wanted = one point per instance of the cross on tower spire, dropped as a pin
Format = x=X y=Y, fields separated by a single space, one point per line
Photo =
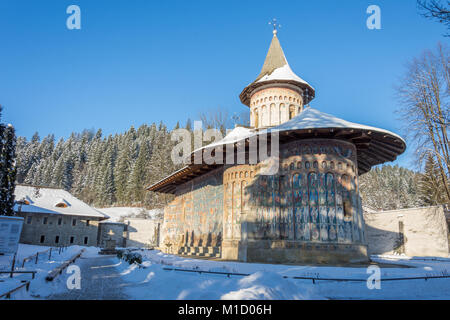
x=275 y=25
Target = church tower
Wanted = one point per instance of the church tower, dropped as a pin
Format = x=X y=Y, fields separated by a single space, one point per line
x=278 y=94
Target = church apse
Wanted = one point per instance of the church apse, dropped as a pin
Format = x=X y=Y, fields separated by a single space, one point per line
x=310 y=211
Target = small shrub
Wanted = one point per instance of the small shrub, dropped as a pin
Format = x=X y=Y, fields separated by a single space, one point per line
x=130 y=257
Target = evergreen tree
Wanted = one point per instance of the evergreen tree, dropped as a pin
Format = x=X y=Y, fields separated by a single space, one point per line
x=7 y=168
x=430 y=184
x=390 y=187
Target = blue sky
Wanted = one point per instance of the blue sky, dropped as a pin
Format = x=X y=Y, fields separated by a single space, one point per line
x=136 y=62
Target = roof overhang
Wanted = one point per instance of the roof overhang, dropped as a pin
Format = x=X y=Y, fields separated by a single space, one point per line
x=372 y=147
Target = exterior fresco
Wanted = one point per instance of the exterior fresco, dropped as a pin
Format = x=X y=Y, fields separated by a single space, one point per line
x=194 y=218
x=312 y=199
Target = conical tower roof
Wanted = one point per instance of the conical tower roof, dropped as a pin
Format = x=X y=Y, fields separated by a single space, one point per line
x=276 y=69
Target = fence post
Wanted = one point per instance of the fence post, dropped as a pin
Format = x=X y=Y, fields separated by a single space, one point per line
x=37 y=255
x=50 y=254
x=13 y=265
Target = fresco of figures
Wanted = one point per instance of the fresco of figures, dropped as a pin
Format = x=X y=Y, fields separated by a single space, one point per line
x=314 y=196
x=194 y=217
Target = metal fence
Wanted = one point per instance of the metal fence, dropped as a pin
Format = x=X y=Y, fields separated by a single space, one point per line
x=313 y=279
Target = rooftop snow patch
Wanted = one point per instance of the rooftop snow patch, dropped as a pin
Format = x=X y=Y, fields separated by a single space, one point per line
x=311 y=118
x=44 y=200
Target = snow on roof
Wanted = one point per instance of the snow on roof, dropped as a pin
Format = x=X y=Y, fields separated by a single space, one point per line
x=283 y=73
x=276 y=69
x=311 y=118
x=44 y=200
x=235 y=135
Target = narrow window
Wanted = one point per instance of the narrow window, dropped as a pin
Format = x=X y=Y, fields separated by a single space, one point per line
x=291 y=112
x=74 y=222
x=59 y=221
x=57 y=239
x=347 y=209
x=42 y=239
x=45 y=220
x=87 y=223
x=85 y=240
x=29 y=218
x=72 y=239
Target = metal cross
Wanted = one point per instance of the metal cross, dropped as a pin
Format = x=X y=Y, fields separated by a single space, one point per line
x=275 y=25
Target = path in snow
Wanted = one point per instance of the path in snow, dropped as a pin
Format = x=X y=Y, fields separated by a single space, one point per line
x=99 y=281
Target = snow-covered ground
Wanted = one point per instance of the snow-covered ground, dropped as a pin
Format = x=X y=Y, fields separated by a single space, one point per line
x=115 y=213
x=39 y=287
x=266 y=281
x=151 y=280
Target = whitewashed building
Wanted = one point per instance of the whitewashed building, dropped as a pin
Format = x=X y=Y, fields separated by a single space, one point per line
x=54 y=217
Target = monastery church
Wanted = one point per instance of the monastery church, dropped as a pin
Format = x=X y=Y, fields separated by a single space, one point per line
x=309 y=211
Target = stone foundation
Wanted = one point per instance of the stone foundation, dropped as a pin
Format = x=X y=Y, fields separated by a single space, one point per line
x=207 y=252
x=295 y=252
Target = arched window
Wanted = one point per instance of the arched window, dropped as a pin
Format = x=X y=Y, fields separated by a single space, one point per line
x=282 y=111
x=61 y=203
x=263 y=116
x=291 y=112
x=273 y=114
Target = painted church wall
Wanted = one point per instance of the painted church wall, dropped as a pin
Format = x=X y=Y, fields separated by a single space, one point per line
x=314 y=196
x=194 y=217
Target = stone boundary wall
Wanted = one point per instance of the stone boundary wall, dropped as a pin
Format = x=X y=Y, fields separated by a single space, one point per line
x=413 y=232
